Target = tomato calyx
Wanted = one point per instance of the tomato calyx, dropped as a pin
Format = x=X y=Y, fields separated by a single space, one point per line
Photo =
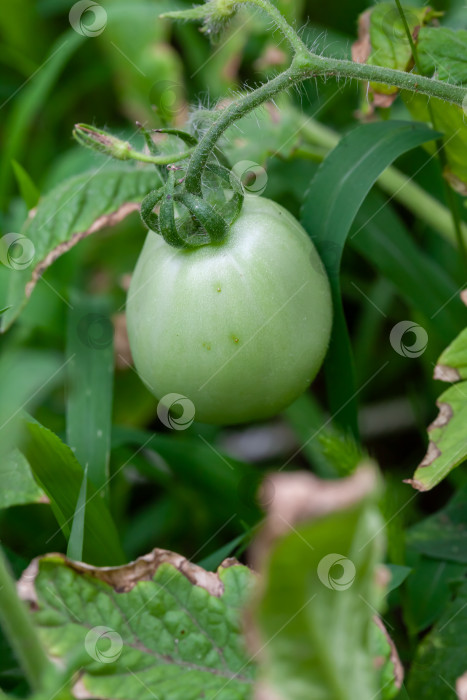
x=187 y=219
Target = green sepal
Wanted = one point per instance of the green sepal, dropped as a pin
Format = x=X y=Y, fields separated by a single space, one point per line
x=167 y=225
x=214 y=224
x=187 y=138
x=150 y=219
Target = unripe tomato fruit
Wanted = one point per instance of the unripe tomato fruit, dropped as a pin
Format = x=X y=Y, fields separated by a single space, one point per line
x=240 y=328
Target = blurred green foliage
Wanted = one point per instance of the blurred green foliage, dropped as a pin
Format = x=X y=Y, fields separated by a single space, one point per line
x=196 y=492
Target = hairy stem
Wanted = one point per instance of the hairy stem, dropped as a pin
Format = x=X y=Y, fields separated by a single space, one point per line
x=279 y=20
x=19 y=630
x=303 y=67
x=227 y=117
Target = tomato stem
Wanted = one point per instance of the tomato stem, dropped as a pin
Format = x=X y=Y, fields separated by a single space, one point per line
x=307 y=64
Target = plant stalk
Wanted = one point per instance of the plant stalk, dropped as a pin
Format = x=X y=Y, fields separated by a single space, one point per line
x=19 y=630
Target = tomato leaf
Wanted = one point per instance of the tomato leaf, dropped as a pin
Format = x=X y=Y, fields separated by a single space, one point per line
x=442 y=53
x=312 y=617
x=443 y=535
x=25 y=377
x=75 y=209
x=18 y=484
x=428 y=591
x=442 y=651
x=172 y=626
x=447 y=447
x=331 y=203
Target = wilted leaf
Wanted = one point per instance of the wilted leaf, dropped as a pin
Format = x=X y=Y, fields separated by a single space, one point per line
x=382 y=41
x=173 y=628
x=447 y=447
x=312 y=622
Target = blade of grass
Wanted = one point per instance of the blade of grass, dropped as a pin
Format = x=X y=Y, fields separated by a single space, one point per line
x=76 y=541
x=61 y=476
x=28 y=190
x=31 y=96
x=340 y=185
x=90 y=386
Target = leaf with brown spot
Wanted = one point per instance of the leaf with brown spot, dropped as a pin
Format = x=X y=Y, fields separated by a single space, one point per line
x=382 y=42
x=447 y=447
x=159 y=626
x=72 y=211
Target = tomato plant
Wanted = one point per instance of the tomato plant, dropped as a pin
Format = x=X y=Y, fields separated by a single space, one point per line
x=223 y=327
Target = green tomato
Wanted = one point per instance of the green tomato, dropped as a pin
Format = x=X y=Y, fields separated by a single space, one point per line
x=239 y=328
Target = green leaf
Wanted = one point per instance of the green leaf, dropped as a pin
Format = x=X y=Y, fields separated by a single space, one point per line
x=447 y=448
x=313 y=615
x=175 y=631
x=381 y=238
x=73 y=210
x=75 y=547
x=428 y=591
x=452 y=365
x=29 y=101
x=18 y=485
x=443 y=535
x=27 y=188
x=336 y=192
x=390 y=47
x=25 y=377
x=60 y=475
x=441 y=654
x=90 y=383
x=442 y=53
x=398 y=576
x=450 y=120
x=228 y=485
